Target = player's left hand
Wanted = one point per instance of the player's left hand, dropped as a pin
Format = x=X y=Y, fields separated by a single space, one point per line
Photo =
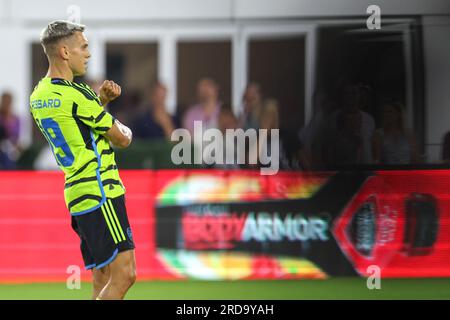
x=109 y=90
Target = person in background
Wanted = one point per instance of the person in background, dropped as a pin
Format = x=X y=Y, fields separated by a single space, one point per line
x=251 y=108
x=314 y=134
x=5 y=162
x=291 y=151
x=346 y=146
x=208 y=107
x=8 y=119
x=11 y=126
x=227 y=120
x=352 y=102
x=155 y=122
x=392 y=143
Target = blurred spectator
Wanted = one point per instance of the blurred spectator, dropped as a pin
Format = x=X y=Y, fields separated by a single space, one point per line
x=5 y=161
x=308 y=132
x=10 y=127
x=291 y=153
x=270 y=115
x=227 y=120
x=367 y=99
x=392 y=143
x=155 y=122
x=251 y=108
x=313 y=135
x=8 y=120
x=346 y=146
x=351 y=102
x=208 y=107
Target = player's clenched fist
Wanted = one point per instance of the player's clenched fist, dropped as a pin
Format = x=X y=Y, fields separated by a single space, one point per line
x=109 y=90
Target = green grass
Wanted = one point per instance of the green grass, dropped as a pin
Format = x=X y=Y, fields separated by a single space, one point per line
x=335 y=288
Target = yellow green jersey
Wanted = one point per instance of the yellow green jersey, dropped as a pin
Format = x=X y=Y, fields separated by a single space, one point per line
x=73 y=121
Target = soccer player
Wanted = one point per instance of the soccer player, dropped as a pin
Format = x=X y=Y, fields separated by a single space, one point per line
x=73 y=120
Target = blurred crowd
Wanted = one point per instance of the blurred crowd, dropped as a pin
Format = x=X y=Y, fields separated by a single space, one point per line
x=346 y=129
x=343 y=130
x=151 y=121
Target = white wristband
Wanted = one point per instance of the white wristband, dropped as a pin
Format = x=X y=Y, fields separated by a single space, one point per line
x=124 y=129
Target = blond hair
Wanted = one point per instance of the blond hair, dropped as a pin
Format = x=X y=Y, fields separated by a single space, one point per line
x=56 y=31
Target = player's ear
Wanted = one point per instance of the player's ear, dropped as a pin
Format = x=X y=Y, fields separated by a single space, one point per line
x=63 y=51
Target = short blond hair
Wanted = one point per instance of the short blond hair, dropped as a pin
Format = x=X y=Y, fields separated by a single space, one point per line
x=56 y=31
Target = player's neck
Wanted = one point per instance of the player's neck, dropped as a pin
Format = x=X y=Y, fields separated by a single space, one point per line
x=62 y=72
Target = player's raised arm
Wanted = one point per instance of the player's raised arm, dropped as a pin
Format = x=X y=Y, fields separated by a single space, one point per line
x=119 y=135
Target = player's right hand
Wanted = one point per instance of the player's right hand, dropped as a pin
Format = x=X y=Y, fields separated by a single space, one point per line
x=109 y=90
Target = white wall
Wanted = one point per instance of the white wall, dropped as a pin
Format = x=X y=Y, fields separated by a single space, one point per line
x=334 y=8
x=118 y=10
x=436 y=34
x=151 y=10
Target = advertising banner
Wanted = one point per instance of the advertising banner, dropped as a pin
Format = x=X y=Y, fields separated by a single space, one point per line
x=297 y=225
x=219 y=225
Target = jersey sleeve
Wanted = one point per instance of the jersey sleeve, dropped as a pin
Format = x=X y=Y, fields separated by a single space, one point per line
x=92 y=114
